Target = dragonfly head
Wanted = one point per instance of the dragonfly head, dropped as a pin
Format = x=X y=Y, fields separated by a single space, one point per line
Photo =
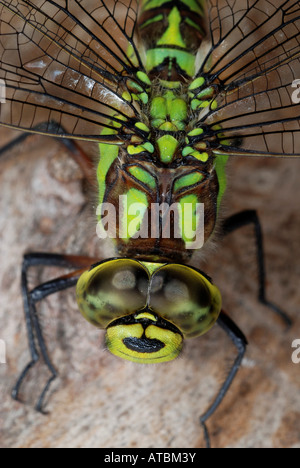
x=147 y=308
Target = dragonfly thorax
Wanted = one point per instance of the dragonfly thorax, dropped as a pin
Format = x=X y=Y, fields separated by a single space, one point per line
x=165 y=182
x=171 y=129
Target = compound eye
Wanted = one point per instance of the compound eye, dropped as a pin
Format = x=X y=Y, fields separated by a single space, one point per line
x=186 y=298
x=111 y=290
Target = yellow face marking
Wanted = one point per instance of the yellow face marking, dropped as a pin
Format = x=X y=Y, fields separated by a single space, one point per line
x=133 y=343
x=146 y=315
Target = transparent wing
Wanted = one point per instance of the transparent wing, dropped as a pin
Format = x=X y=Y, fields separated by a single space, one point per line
x=66 y=61
x=252 y=57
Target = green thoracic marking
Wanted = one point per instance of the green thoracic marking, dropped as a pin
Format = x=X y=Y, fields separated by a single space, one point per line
x=144 y=98
x=198 y=104
x=143 y=176
x=143 y=77
x=187 y=151
x=187 y=181
x=135 y=86
x=168 y=112
x=136 y=204
x=142 y=126
x=170 y=84
x=132 y=150
x=197 y=83
x=108 y=154
x=220 y=165
x=158 y=109
x=167 y=146
x=206 y=93
x=196 y=132
x=188 y=219
x=168 y=127
x=201 y=156
x=172 y=35
x=185 y=60
x=177 y=109
x=147 y=146
x=127 y=96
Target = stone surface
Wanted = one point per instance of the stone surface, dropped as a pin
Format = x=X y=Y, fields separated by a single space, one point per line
x=101 y=401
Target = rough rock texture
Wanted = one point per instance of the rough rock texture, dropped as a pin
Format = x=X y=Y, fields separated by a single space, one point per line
x=101 y=401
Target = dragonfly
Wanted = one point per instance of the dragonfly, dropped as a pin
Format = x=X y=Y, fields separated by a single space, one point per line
x=167 y=92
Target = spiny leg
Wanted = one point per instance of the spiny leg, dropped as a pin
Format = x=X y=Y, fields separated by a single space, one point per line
x=240 y=342
x=31 y=298
x=244 y=219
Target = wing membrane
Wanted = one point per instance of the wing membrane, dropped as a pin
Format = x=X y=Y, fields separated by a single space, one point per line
x=253 y=58
x=59 y=61
x=259 y=121
x=249 y=38
x=68 y=61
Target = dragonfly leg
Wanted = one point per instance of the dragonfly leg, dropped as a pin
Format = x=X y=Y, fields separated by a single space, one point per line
x=240 y=342
x=82 y=159
x=31 y=298
x=243 y=219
